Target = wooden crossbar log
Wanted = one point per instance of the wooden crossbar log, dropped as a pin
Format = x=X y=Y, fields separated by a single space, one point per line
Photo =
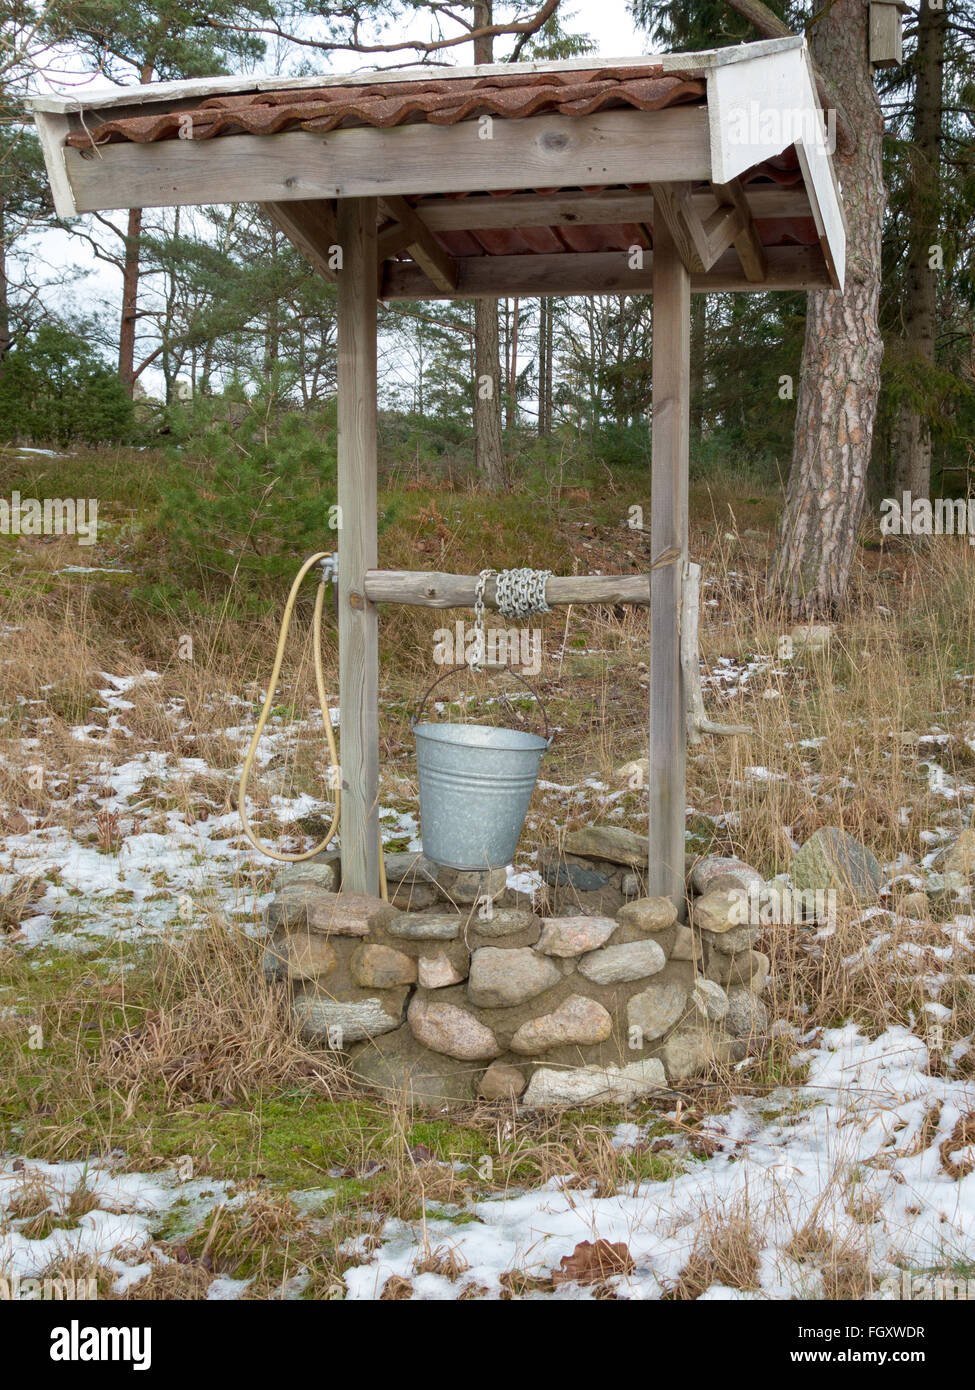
x=430 y=589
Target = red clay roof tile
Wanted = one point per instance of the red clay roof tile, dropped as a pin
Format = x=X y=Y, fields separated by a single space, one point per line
x=439 y=101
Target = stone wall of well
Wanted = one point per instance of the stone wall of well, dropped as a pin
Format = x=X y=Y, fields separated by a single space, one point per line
x=460 y=986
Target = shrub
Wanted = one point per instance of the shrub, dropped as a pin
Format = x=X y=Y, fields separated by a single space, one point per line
x=251 y=491
x=55 y=390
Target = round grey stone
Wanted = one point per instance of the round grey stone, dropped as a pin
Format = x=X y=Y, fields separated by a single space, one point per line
x=574 y=876
x=451 y=1030
x=714 y=866
x=338 y=1022
x=467 y=886
x=500 y=978
x=573 y=936
x=615 y=965
x=426 y=926
x=747 y=1013
x=729 y=943
x=579 y=1021
x=833 y=859
x=648 y=914
x=502 y=921
x=710 y=1000
x=656 y=1008
x=594 y=1085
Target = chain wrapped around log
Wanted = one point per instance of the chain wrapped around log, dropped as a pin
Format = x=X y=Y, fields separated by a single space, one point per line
x=433 y=590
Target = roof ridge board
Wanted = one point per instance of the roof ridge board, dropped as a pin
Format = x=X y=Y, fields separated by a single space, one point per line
x=689 y=63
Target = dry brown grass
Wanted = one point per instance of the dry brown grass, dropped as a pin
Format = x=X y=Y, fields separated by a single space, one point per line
x=221 y=1031
x=725 y=1252
x=843 y=1268
x=170 y=1282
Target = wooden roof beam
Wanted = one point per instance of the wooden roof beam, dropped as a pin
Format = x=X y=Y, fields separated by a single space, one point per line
x=598 y=272
x=613 y=206
x=720 y=230
x=413 y=233
x=550 y=151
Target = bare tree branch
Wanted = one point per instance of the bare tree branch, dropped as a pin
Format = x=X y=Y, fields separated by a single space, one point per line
x=524 y=28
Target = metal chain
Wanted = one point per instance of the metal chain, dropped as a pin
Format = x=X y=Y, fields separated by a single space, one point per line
x=519 y=593
x=480 y=643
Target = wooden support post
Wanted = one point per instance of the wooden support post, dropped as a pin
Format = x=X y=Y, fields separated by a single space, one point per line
x=668 y=532
x=358 y=626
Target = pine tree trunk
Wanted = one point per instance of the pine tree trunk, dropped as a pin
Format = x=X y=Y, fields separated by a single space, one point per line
x=699 y=308
x=5 y=340
x=488 y=448
x=912 y=433
x=130 y=301
x=513 y=365
x=840 y=375
x=542 y=352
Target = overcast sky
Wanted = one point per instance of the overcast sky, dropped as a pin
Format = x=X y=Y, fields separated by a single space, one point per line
x=606 y=22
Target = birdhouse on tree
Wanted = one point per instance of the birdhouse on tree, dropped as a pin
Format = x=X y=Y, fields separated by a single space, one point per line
x=886 y=33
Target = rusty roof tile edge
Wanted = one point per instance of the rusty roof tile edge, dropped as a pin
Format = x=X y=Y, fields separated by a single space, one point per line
x=323 y=109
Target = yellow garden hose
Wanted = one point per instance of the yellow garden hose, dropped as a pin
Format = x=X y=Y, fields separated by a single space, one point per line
x=323 y=844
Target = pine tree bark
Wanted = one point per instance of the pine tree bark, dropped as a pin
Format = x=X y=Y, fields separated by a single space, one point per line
x=513 y=366
x=912 y=431
x=840 y=375
x=130 y=300
x=488 y=446
x=542 y=353
x=699 y=309
x=5 y=340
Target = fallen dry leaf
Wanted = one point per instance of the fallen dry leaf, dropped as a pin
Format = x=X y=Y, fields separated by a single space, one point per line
x=592 y=1262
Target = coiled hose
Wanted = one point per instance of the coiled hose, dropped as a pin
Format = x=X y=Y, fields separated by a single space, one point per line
x=323 y=844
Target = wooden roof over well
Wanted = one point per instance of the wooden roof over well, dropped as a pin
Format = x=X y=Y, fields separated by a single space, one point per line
x=517 y=179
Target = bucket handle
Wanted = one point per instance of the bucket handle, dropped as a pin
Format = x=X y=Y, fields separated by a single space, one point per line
x=415 y=718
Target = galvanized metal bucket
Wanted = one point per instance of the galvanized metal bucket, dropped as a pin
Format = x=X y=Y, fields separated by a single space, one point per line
x=476 y=781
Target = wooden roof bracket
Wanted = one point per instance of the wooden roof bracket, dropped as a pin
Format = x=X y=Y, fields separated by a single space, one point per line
x=310 y=225
x=746 y=241
x=701 y=243
x=412 y=234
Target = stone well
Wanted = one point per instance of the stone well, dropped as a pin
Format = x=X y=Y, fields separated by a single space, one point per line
x=460 y=986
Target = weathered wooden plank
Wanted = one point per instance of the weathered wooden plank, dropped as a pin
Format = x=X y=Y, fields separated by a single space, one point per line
x=600 y=272
x=549 y=151
x=487 y=213
x=701 y=244
x=52 y=131
x=429 y=589
x=357 y=496
x=668 y=533
x=611 y=206
x=826 y=207
x=311 y=227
